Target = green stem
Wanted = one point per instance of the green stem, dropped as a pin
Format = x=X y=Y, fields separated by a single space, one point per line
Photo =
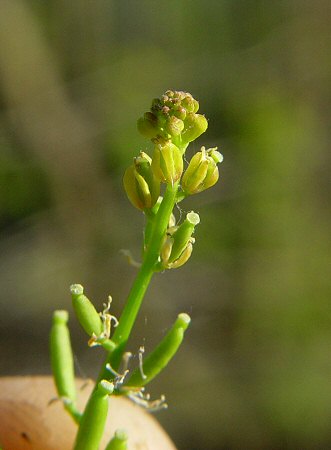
x=140 y=285
x=134 y=300
x=93 y=421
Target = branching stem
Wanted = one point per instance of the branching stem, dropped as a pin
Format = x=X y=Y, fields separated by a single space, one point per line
x=142 y=280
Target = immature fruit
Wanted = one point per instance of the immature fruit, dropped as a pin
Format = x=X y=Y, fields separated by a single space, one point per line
x=178 y=242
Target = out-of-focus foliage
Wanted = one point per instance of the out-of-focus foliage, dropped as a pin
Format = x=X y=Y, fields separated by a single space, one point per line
x=255 y=372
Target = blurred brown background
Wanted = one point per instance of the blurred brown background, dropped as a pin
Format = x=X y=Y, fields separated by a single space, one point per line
x=255 y=369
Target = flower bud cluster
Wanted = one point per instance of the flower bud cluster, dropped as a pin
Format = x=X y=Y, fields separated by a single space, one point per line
x=173 y=116
x=172 y=123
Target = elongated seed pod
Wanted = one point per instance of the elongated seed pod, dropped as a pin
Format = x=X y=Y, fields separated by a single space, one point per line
x=85 y=311
x=61 y=356
x=163 y=353
x=94 y=418
x=119 y=441
x=182 y=235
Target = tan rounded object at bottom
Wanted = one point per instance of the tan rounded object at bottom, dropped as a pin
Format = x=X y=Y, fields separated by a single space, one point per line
x=30 y=420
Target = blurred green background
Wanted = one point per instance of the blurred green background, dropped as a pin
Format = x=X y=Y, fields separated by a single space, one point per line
x=255 y=369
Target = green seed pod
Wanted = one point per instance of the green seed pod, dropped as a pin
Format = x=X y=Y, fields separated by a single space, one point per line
x=141 y=186
x=182 y=236
x=202 y=171
x=119 y=441
x=163 y=353
x=195 y=125
x=61 y=356
x=85 y=311
x=94 y=418
x=178 y=243
x=147 y=125
x=167 y=163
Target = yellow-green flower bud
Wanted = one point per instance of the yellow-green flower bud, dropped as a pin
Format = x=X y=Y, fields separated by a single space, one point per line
x=174 y=126
x=167 y=163
x=202 y=171
x=190 y=104
x=196 y=171
x=194 y=126
x=177 y=246
x=180 y=113
x=147 y=125
x=141 y=186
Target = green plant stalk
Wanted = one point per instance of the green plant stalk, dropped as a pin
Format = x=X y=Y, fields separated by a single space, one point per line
x=171 y=136
x=94 y=418
x=155 y=232
x=132 y=306
x=141 y=283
